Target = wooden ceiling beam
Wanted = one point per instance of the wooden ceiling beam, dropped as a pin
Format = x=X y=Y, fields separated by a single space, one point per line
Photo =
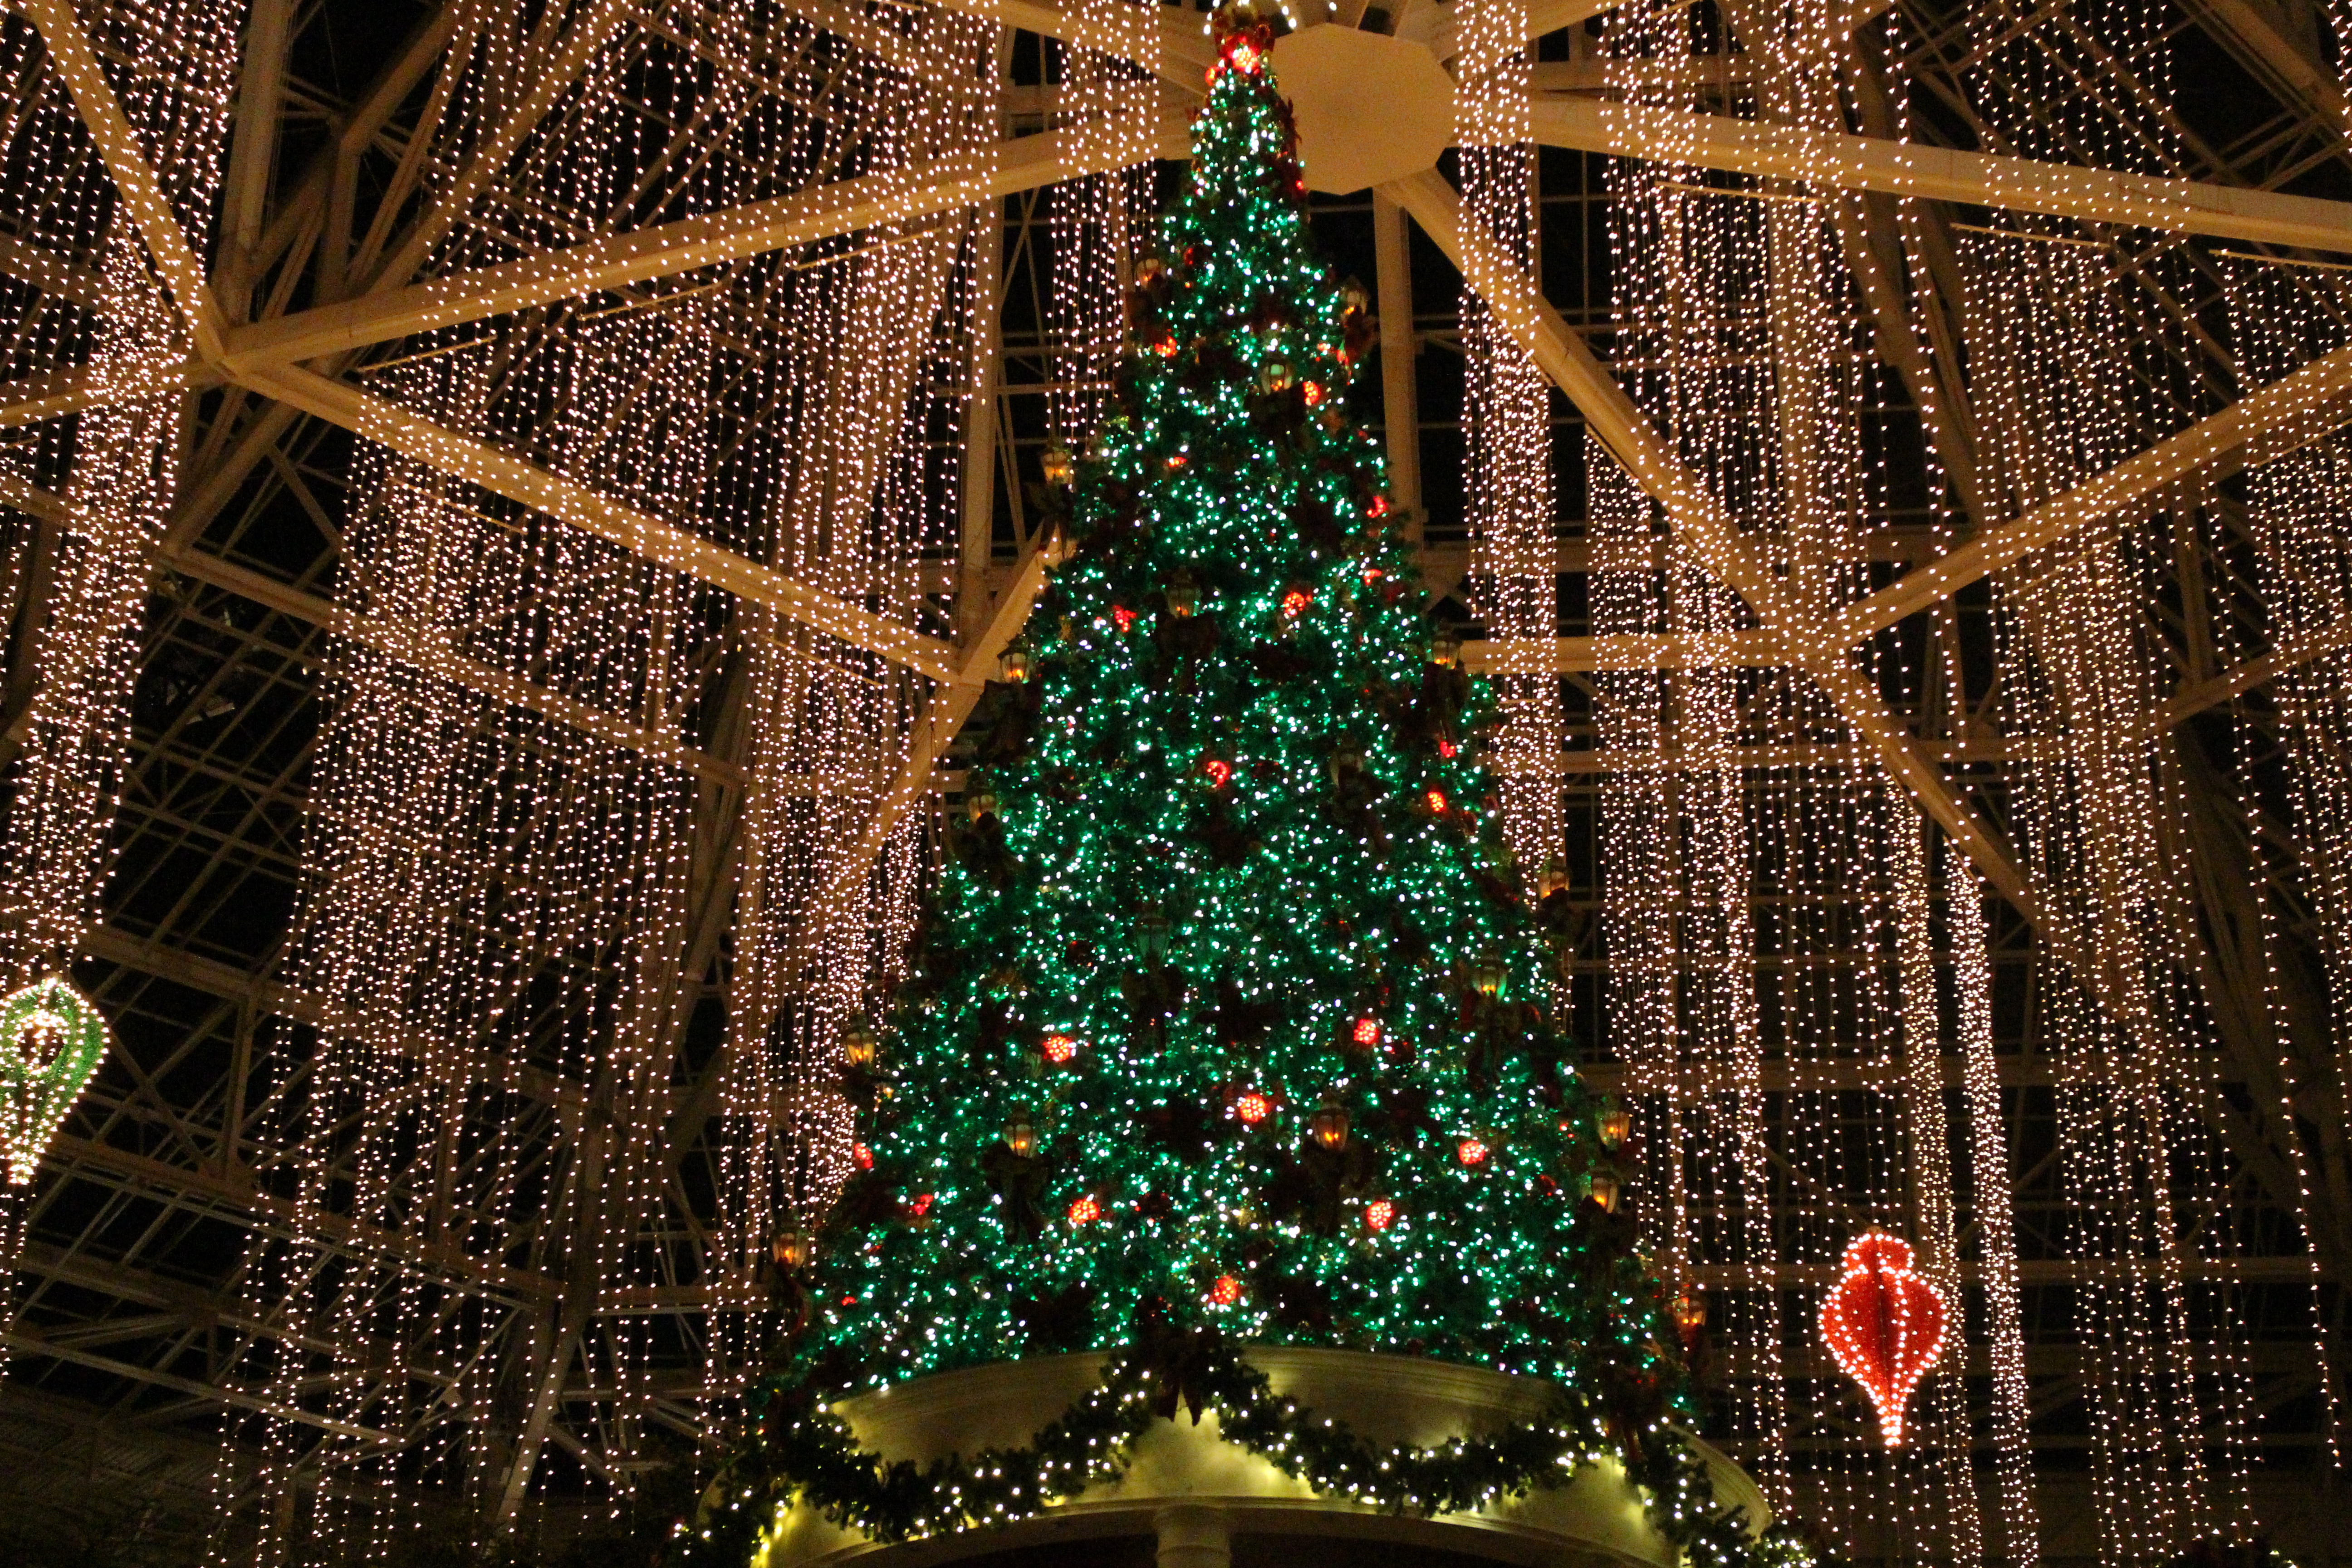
x=477 y=462
x=1943 y=174
x=117 y=146
x=1712 y=536
x=614 y=261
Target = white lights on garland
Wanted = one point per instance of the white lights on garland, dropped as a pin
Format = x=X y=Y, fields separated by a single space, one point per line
x=51 y=1041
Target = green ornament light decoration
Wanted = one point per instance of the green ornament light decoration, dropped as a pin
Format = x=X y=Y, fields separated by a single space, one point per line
x=51 y=1041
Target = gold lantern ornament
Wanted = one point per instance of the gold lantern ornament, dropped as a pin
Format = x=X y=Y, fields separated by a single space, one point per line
x=1276 y=376
x=52 y=1038
x=1153 y=931
x=859 y=1043
x=1445 y=648
x=1616 y=1124
x=1021 y=1133
x=1184 y=594
x=1014 y=663
x=979 y=801
x=1329 y=1125
x=1552 y=879
x=1058 y=466
x=1605 y=1190
x=1690 y=1313
x=1487 y=974
x=793 y=1249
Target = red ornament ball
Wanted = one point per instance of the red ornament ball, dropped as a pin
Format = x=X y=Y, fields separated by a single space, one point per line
x=1378 y=1215
x=1367 y=1033
x=1085 y=1209
x=1884 y=1325
x=1252 y=1108
x=1226 y=1292
x=1472 y=1151
x=1059 y=1049
x=861 y=1156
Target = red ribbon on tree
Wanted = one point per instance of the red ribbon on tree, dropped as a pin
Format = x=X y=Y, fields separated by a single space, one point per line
x=1884 y=1325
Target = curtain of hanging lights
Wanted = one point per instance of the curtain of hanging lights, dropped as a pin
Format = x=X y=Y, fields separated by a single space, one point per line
x=1802 y=920
x=2071 y=373
x=495 y=928
x=2282 y=317
x=1099 y=223
x=1506 y=436
x=865 y=345
x=172 y=66
x=500 y=911
x=117 y=463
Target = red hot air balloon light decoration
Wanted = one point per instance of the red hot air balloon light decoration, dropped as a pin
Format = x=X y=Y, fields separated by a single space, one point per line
x=1884 y=1325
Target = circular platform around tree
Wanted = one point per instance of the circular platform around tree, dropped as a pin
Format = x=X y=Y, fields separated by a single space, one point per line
x=1194 y=1494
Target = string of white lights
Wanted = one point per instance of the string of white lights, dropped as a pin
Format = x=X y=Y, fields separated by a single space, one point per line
x=174 y=64
x=1738 y=333
x=2283 y=317
x=499 y=918
x=2067 y=378
x=1098 y=221
x=879 y=352
x=1506 y=428
x=2093 y=811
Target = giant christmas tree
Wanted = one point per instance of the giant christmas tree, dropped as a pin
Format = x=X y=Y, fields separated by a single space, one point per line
x=1229 y=1023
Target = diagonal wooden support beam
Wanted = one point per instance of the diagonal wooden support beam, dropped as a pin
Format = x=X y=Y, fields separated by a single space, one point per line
x=1172 y=40
x=424 y=652
x=596 y=26
x=951 y=703
x=1912 y=169
x=1712 y=536
x=2293 y=652
x=55 y=393
x=389 y=425
x=175 y=260
x=1579 y=655
x=2265 y=424
x=941 y=185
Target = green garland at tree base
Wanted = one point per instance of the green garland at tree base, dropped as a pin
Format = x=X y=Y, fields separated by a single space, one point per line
x=797 y=1448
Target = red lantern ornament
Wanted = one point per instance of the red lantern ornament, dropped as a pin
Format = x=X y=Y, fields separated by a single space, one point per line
x=1884 y=1325
x=861 y=1156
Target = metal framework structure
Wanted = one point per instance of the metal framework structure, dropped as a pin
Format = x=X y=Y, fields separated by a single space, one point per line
x=124 y=1351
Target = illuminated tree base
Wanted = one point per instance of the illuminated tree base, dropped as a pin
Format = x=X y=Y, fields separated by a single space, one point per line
x=1381 y=1433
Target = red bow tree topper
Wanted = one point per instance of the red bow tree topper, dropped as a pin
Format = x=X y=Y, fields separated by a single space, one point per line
x=1884 y=1325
